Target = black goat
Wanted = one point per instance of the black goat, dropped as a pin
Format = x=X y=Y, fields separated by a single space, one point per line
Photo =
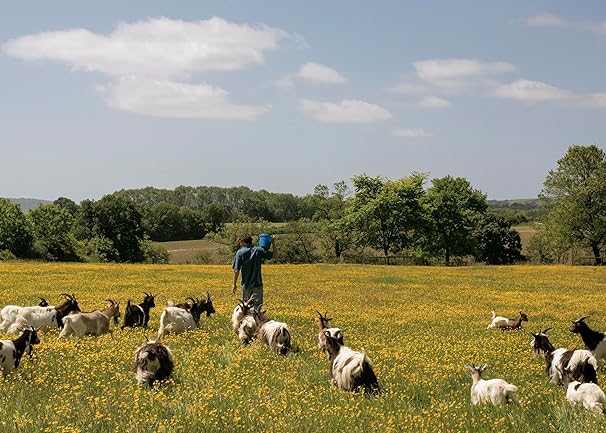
x=138 y=315
x=594 y=341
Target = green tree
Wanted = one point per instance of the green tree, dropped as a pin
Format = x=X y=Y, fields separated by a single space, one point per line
x=497 y=242
x=336 y=235
x=51 y=226
x=387 y=213
x=453 y=209
x=67 y=204
x=576 y=194
x=15 y=231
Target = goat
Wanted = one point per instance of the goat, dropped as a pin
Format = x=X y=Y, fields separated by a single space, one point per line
x=11 y=351
x=9 y=313
x=350 y=370
x=503 y=323
x=138 y=315
x=175 y=319
x=240 y=311
x=495 y=391
x=271 y=332
x=322 y=323
x=589 y=394
x=93 y=323
x=206 y=305
x=581 y=363
x=45 y=318
x=153 y=362
x=594 y=341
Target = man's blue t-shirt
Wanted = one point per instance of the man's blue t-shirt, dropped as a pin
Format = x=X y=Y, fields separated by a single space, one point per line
x=248 y=261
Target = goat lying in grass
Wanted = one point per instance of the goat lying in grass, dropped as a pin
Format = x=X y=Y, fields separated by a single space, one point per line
x=271 y=332
x=495 y=391
x=153 y=362
x=138 y=315
x=93 y=323
x=580 y=362
x=594 y=341
x=44 y=318
x=503 y=323
x=11 y=351
x=322 y=324
x=589 y=394
x=350 y=370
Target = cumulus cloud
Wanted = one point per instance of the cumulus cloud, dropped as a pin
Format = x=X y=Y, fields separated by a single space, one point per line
x=429 y=102
x=346 y=111
x=318 y=73
x=532 y=91
x=411 y=133
x=174 y=100
x=545 y=20
x=155 y=48
x=453 y=74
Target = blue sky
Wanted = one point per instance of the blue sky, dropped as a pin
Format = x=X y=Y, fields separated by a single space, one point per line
x=284 y=95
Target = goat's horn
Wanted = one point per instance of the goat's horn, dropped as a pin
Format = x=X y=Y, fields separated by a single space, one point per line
x=582 y=318
x=66 y=295
x=545 y=331
x=146 y=294
x=192 y=299
x=146 y=339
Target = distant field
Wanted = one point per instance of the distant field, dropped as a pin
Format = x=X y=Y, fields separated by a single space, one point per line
x=189 y=251
x=526 y=231
x=419 y=325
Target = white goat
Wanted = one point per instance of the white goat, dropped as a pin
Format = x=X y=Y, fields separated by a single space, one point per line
x=243 y=320
x=176 y=319
x=504 y=323
x=93 y=323
x=241 y=310
x=589 y=394
x=495 y=391
x=44 y=318
x=11 y=351
x=9 y=313
x=153 y=361
x=272 y=333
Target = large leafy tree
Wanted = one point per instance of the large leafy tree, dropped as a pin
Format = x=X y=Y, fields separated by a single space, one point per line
x=15 y=231
x=497 y=242
x=454 y=210
x=576 y=193
x=337 y=236
x=51 y=226
x=388 y=213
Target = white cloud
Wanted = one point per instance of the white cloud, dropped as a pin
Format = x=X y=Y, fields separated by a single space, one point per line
x=433 y=102
x=408 y=88
x=532 y=91
x=545 y=20
x=595 y=100
x=411 y=133
x=156 y=48
x=317 y=73
x=175 y=100
x=453 y=74
x=346 y=111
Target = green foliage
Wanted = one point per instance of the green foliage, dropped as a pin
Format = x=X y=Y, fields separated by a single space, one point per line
x=98 y=249
x=15 y=231
x=67 y=204
x=454 y=210
x=576 y=191
x=497 y=242
x=153 y=252
x=203 y=257
x=51 y=225
x=297 y=244
x=168 y=222
x=6 y=255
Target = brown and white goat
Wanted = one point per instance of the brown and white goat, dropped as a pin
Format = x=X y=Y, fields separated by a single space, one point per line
x=272 y=333
x=153 y=361
x=45 y=318
x=503 y=323
x=322 y=323
x=92 y=323
x=11 y=351
x=350 y=370
x=243 y=320
x=177 y=319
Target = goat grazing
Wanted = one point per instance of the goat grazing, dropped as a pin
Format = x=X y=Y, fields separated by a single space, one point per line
x=93 y=323
x=138 y=315
x=589 y=394
x=9 y=313
x=153 y=361
x=594 y=341
x=495 y=391
x=322 y=323
x=350 y=370
x=271 y=332
x=580 y=362
x=11 y=351
x=175 y=319
x=503 y=323
x=44 y=318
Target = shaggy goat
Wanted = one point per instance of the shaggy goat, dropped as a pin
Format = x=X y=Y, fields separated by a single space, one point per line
x=138 y=315
x=322 y=323
x=11 y=351
x=503 y=323
x=9 y=313
x=350 y=370
x=271 y=332
x=175 y=319
x=240 y=311
x=594 y=341
x=581 y=363
x=45 y=318
x=589 y=394
x=495 y=391
x=153 y=361
x=93 y=323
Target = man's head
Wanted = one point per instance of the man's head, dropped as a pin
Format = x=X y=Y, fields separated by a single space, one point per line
x=245 y=239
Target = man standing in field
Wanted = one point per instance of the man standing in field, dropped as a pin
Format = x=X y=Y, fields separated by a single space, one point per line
x=248 y=261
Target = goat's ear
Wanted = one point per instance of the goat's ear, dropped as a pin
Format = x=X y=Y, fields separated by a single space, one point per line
x=327 y=333
x=339 y=335
x=483 y=367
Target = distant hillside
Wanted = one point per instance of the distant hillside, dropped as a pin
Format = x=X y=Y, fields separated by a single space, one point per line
x=27 y=204
x=518 y=211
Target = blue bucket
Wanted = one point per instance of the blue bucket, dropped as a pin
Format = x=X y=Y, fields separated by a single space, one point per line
x=265 y=241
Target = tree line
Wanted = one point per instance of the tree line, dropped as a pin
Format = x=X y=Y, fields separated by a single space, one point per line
x=442 y=220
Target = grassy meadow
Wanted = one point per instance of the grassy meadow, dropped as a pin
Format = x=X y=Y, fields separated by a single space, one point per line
x=419 y=325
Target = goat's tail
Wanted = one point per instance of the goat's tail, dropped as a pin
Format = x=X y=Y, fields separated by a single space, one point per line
x=493 y=314
x=162 y=325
